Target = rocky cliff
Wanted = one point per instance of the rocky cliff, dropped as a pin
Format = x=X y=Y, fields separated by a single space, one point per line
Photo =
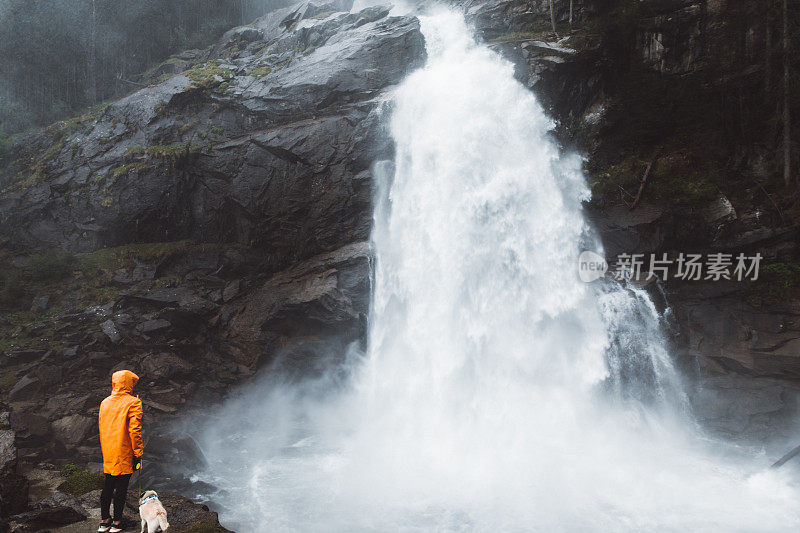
x=217 y=220
x=209 y=224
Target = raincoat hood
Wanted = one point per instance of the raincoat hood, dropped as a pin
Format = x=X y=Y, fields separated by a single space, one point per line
x=122 y=381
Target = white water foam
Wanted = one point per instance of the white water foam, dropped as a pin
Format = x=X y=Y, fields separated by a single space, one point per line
x=499 y=393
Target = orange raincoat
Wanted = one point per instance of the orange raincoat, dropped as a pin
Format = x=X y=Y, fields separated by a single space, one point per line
x=121 y=425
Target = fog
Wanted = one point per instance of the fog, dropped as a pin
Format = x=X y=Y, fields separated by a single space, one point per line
x=61 y=56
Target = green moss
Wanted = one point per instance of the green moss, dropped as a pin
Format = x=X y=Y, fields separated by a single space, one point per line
x=110 y=259
x=208 y=75
x=775 y=283
x=172 y=151
x=217 y=130
x=231 y=51
x=78 y=481
x=166 y=281
x=127 y=168
x=322 y=16
x=29 y=330
x=309 y=50
x=149 y=73
x=133 y=151
x=260 y=72
x=517 y=36
x=187 y=127
x=36 y=170
x=51 y=265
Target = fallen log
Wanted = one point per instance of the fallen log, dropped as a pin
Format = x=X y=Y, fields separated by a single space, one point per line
x=643 y=182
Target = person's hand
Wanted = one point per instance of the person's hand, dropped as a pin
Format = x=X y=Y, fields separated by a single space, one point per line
x=137 y=463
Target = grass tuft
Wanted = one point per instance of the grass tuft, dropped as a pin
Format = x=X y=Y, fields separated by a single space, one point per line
x=79 y=481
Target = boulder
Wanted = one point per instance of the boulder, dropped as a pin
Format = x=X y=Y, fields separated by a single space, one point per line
x=110 y=330
x=326 y=297
x=231 y=290
x=164 y=365
x=48 y=375
x=8 y=452
x=73 y=429
x=40 y=303
x=60 y=499
x=13 y=486
x=45 y=517
x=30 y=422
x=153 y=326
x=27 y=388
x=13 y=494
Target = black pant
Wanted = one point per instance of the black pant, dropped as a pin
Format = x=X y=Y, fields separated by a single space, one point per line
x=115 y=487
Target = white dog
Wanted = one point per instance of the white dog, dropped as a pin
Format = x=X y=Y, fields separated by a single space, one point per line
x=153 y=514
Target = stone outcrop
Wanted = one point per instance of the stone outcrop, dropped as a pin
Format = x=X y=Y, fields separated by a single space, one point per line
x=13 y=486
x=267 y=143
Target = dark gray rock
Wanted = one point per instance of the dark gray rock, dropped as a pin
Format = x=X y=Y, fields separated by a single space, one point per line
x=8 y=451
x=231 y=290
x=184 y=298
x=45 y=517
x=13 y=486
x=110 y=330
x=40 y=303
x=164 y=365
x=152 y=326
x=27 y=388
x=73 y=429
x=60 y=499
x=48 y=374
x=745 y=408
x=324 y=298
x=24 y=421
x=13 y=494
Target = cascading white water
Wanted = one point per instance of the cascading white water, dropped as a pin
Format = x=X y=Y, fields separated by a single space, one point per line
x=499 y=393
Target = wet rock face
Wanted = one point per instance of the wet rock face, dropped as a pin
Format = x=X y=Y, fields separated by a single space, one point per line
x=267 y=143
x=13 y=486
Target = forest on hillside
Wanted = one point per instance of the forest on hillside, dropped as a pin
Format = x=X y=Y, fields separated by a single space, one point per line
x=60 y=56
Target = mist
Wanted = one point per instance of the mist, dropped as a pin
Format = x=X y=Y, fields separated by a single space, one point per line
x=62 y=56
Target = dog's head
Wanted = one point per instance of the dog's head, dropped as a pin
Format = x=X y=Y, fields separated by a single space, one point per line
x=146 y=494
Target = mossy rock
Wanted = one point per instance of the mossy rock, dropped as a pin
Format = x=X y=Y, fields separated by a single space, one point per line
x=209 y=75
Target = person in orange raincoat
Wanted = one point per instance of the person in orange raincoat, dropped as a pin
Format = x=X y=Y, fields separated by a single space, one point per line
x=121 y=441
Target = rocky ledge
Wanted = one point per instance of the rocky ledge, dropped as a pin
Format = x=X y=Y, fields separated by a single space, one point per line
x=67 y=499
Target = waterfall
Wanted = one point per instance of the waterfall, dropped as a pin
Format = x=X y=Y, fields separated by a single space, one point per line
x=499 y=392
